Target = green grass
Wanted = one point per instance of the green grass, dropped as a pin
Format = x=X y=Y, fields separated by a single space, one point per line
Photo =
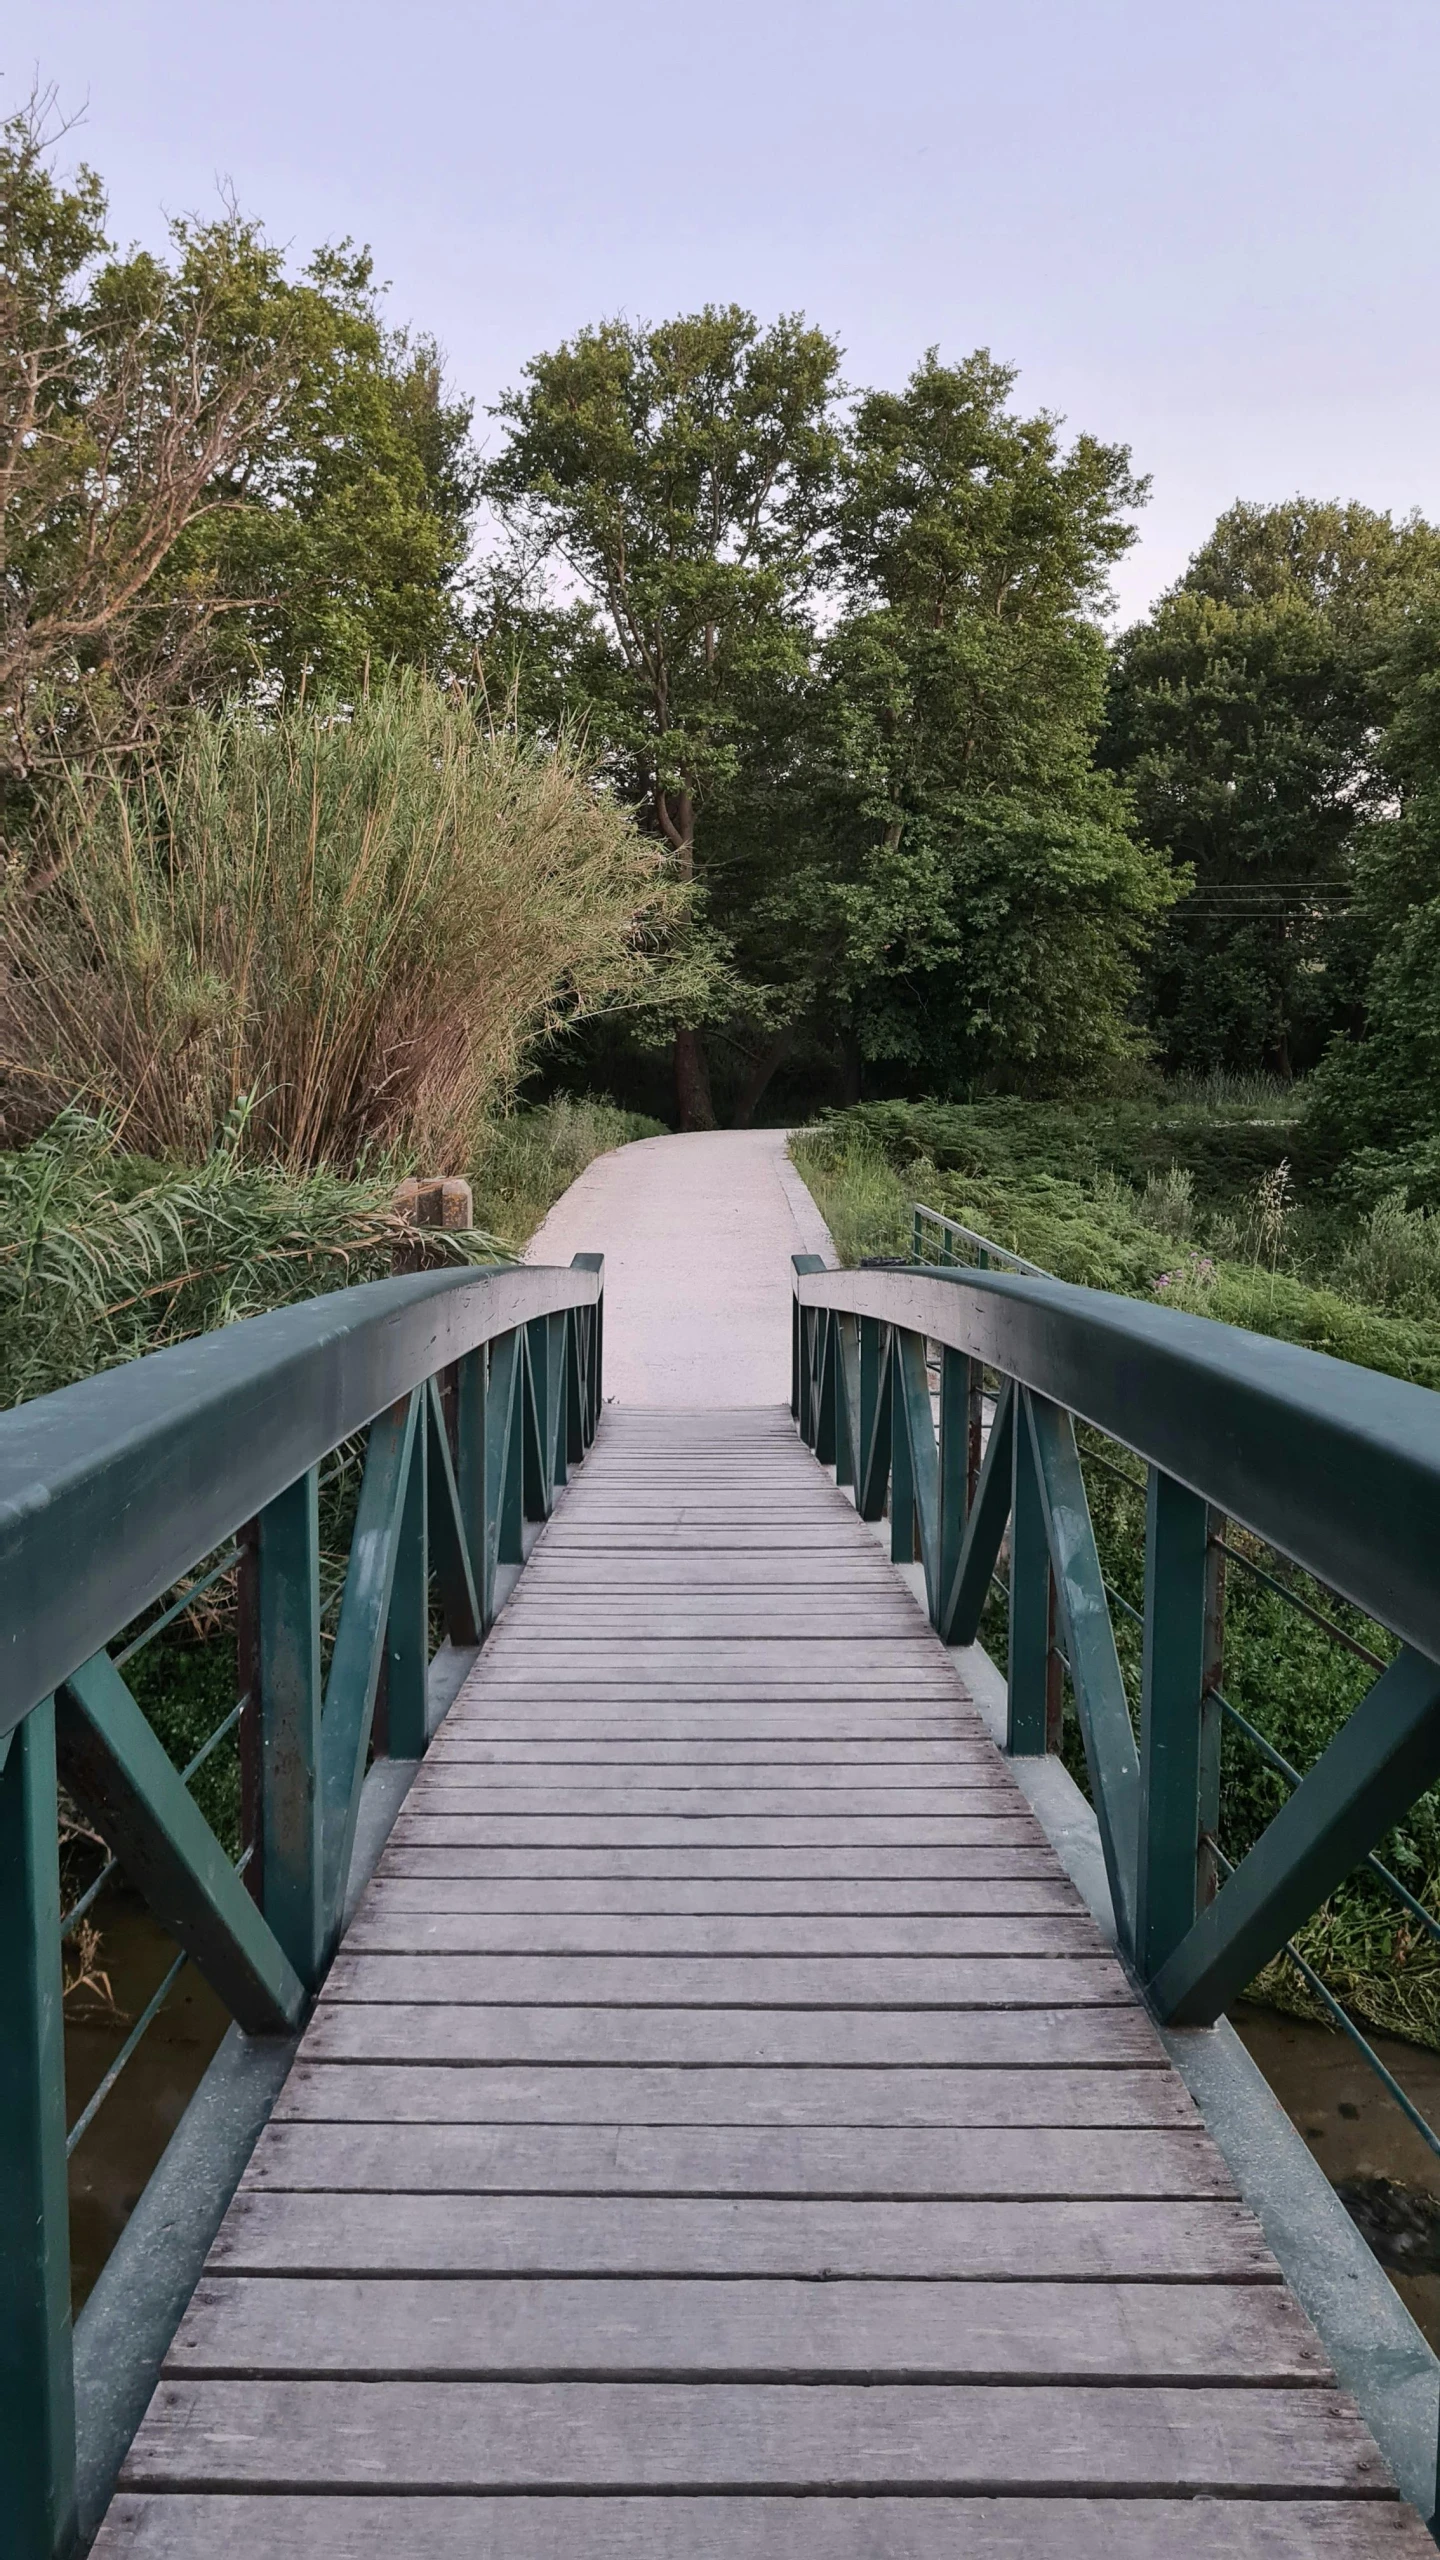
x=1152 y=1201
x=528 y=1159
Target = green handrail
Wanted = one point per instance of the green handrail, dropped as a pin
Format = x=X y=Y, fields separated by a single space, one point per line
x=111 y=1492
x=1336 y=1466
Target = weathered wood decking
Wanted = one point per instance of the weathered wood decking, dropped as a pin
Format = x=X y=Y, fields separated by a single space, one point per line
x=724 y=2134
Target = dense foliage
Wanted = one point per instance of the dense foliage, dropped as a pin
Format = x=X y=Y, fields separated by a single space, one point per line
x=215 y=470
x=848 y=664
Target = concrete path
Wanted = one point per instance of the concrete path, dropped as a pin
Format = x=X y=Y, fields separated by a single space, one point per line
x=697 y=1234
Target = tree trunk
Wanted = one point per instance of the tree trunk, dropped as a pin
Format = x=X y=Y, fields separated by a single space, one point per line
x=851 y=1066
x=692 y=1082
x=771 y=1056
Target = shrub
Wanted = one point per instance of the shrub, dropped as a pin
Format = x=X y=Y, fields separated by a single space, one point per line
x=363 y=917
x=103 y=1256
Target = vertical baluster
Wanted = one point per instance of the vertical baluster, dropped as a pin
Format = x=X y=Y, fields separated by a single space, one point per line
x=509 y=1430
x=825 y=1417
x=902 y=1470
x=280 y=1644
x=575 y=1434
x=954 y=1463
x=1177 y=1609
x=471 y=1405
x=1030 y=1599
x=407 y=1634
x=37 y=2389
x=558 y=1442
x=975 y=1447
x=1207 y=1878
x=537 y=1418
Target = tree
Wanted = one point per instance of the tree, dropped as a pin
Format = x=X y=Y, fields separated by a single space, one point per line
x=986 y=893
x=674 y=478
x=1244 y=717
x=1375 y=1098
x=208 y=472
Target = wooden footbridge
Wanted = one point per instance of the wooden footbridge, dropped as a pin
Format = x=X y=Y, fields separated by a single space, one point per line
x=722 y=2132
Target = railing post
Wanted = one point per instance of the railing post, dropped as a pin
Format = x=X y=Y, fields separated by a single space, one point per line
x=407 y=1634
x=471 y=1395
x=1028 y=1728
x=902 y=1470
x=954 y=1463
x=283 y=1673
x=1172 y=1755
x=826 y=1426
x=37 y=2385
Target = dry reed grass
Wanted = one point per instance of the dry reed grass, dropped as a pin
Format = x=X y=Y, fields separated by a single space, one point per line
x=361 y=917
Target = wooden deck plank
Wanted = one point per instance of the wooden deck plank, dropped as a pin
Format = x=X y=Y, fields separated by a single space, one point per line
x=742 y=1982
x=230 y=2527
x=386 y=1929
x=397 y=2095
x=626 y=2159
x=894 y=2039
x=895 y=1903
x=625 y=2436
x=1071 y=2241
x=464 y=2331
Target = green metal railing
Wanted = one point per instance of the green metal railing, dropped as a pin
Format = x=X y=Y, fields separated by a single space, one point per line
x=1335 y=1467
x=943 y=1241
x=475 y=1393
x=967 y=1401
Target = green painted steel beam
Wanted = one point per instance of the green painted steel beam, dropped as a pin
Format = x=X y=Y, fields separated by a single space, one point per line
x=37 y=2397
x=407 y=1620
x=959 y=1621
x=1384 y=1756
x=1027 y=1670
x=911 y=1392
x=119 y=1771
x=448 y=1533
x=287 y=1674
x=183 y=1445
x=1095 y=1677
x=1174 y=1727
x=472 y=1438
x=876 y=1389
x=1336 y=1465
x=360 y=1638
x=504 y=1464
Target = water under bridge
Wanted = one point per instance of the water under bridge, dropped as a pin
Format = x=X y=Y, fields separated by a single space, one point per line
x=721 y=2127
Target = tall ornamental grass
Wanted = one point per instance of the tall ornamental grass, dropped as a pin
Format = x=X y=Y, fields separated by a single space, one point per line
x=361 y=916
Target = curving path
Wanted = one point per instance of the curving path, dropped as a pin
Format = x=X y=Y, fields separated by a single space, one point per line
x=697 y=1234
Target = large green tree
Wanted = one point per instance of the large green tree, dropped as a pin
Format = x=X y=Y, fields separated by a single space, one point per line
x=1245 y=715
x=662 y=489
x=1375 y=1099
x=988 y=895
x=210 y=470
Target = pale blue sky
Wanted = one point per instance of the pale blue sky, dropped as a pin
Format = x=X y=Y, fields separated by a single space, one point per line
x=1209 y=230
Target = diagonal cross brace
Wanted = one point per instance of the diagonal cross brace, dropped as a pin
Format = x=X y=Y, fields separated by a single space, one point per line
x=1095 y=1677
x=1385 y=1756
x=124 y=1777
x=963 y=1603
x=360 y=1635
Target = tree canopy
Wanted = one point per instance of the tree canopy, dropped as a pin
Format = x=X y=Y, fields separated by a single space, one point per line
x=212 y=472
x=1246 y=716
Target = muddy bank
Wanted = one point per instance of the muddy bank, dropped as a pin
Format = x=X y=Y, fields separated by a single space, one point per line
x=114 y=2159
x=1386 y=2174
